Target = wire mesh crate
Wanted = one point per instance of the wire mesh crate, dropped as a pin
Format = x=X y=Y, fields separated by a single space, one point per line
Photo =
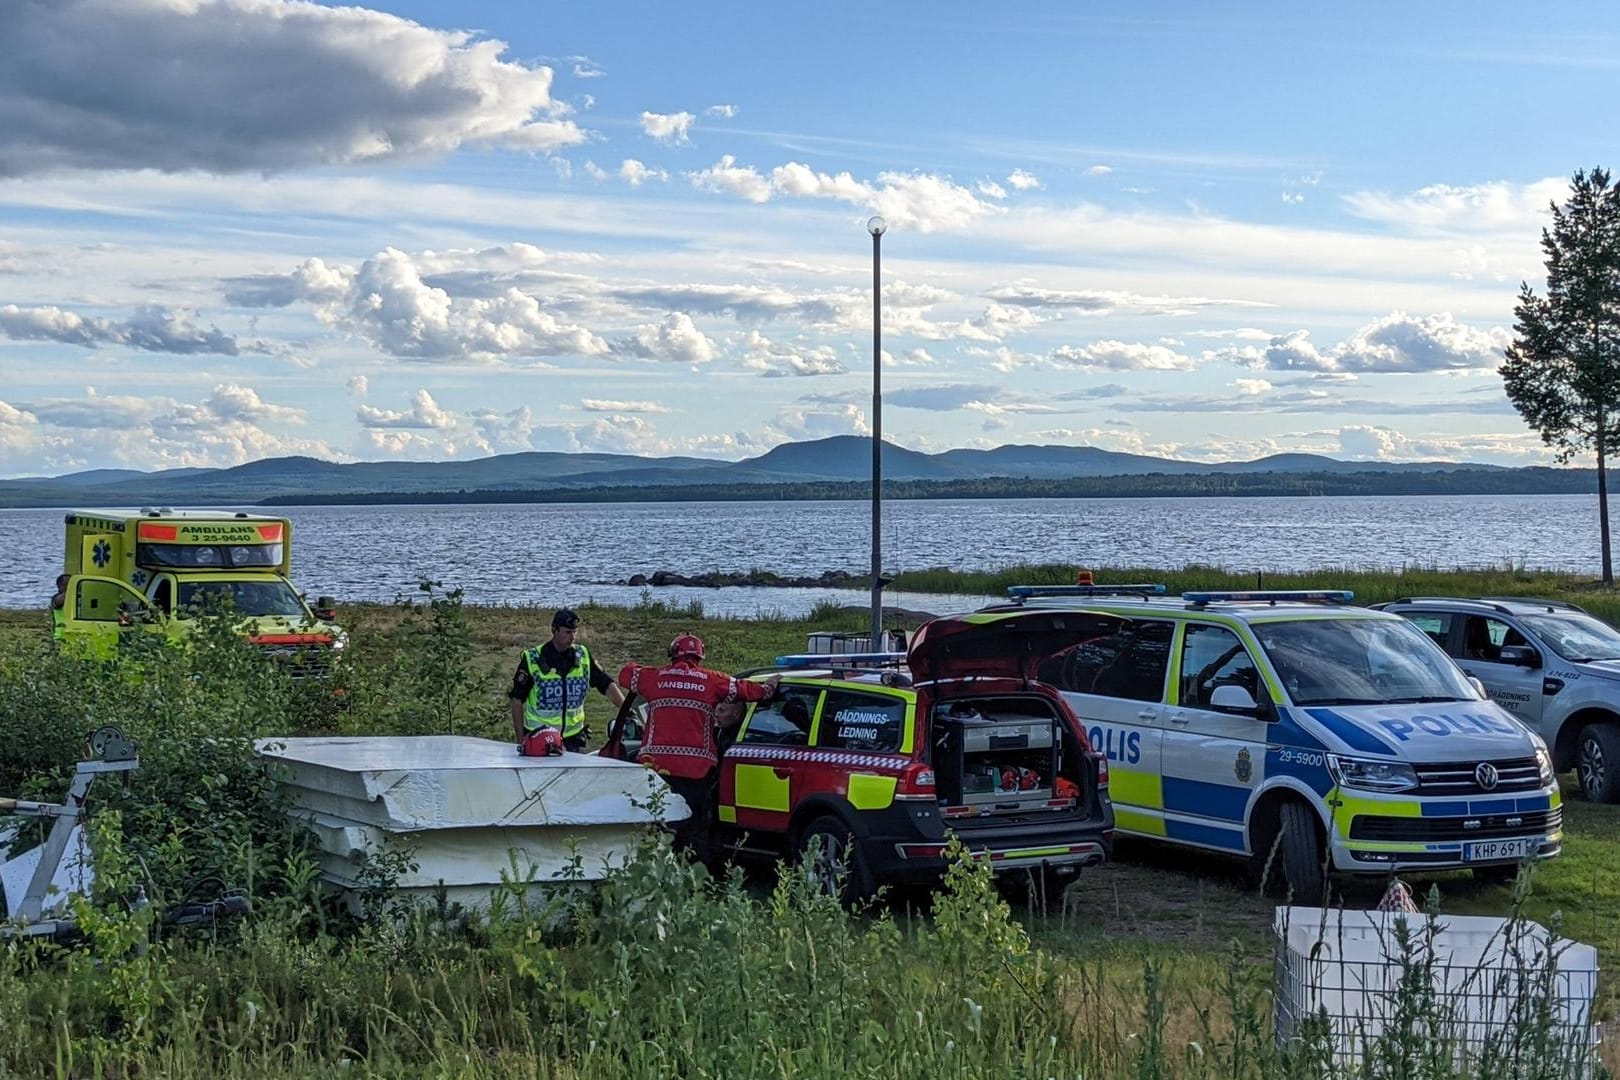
x=1363 y=985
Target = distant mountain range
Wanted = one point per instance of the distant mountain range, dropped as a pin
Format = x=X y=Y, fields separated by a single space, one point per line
x=828 y=466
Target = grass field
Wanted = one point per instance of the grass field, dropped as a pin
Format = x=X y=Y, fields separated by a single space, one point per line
x=1156 y=964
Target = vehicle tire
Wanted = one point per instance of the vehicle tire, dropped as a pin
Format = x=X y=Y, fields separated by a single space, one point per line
x=1299 y=838
x=1041 y=888
x=1597 y=762
x=829 y=851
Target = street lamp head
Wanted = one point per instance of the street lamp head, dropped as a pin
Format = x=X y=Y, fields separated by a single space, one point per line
x=876 y=226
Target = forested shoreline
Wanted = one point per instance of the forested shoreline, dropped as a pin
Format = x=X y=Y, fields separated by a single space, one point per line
x=1528 y=481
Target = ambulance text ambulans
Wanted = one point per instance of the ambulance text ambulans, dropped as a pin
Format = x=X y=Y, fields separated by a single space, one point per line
x=140 y=568
x=1299 y=731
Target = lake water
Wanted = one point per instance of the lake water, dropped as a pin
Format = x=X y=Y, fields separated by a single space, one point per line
x=547 y=555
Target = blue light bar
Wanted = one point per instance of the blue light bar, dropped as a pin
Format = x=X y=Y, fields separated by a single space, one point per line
x=1025 y=592
x=840 y=660
x=1273 y=596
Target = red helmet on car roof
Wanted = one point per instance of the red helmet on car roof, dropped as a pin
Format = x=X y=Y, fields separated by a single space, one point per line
x=688 y=646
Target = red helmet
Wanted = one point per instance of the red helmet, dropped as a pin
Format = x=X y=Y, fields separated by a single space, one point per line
x=686 y=645
x=545 y=742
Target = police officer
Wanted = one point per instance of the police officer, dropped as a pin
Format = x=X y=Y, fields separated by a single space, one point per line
x=549 y=686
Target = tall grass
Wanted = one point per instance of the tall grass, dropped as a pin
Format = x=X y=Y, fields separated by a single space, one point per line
x=663 y=972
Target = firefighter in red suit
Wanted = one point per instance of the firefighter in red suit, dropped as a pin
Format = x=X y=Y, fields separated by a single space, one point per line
x=683 y=699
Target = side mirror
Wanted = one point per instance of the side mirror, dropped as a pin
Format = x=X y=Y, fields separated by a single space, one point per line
x=1479 y=687
x=1519 y=655
x=1233 y=699
x=326 y=608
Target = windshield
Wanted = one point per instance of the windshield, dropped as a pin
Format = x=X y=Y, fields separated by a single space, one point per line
x=208 y=556
x=1360 y=662
x=1575 y=636
x=244 y=597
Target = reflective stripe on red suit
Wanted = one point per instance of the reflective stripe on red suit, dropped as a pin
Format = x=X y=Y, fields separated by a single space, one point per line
x=681 y=701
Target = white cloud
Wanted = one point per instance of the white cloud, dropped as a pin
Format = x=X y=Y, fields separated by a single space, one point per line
x=1293 y=198
x=1024 y=181
x=1397 y=342
x=428 y=432
x=585 y=68
x=1401 y=342
x=595 y=171
x=599 y=405
x=799 y=180
x=1107 y=301
x=1098 y=170
x=1492 y=207
x=919 y=201
x=617 y=434
x=726 y=176
x=989 y=400
x=150 y=329
x=357 y=385
x=918 y=357
x=1121 y=356
x=724 y=112
x=233 y=401
x=990 y=189
x=253 y=86
x=227 y=427
x=772 y=358
x=1001 y=320
x=635 y=173
x=386 y=303
x=424 y=413
x=798 y=423
x=667 y=127
x=674 y=339
x=313 y=281
x=926 y=203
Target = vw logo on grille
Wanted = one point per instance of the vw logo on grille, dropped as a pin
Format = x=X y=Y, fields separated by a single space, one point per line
x=1485 y=775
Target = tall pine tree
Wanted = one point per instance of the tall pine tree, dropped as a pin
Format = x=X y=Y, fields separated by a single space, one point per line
x=1562 y=371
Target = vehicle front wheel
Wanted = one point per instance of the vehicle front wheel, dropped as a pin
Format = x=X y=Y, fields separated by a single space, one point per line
x=830 y=854
x=1299 y=837
x=1597 y=762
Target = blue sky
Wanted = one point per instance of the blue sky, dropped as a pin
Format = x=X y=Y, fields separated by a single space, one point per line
x=232 y=229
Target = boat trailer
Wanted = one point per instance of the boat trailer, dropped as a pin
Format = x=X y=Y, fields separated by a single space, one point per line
x=107 y=750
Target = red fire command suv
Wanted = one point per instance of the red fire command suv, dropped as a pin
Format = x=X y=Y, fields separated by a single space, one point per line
x=876 y=760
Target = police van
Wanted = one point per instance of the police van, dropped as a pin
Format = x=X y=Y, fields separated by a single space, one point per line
x=1301 y=732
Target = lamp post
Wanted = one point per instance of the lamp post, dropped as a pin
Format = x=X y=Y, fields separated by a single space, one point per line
x=876 y=227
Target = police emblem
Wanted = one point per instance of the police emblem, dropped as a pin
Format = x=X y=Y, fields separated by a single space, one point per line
x=1244 y=768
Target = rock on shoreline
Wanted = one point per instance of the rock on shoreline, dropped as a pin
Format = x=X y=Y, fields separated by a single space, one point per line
x=830 y=579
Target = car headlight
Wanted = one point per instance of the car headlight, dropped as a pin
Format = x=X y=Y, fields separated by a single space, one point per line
x=1544 y=764
x=1369 y=774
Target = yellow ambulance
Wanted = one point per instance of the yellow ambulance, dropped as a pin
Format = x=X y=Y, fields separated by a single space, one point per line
x=164 y=567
